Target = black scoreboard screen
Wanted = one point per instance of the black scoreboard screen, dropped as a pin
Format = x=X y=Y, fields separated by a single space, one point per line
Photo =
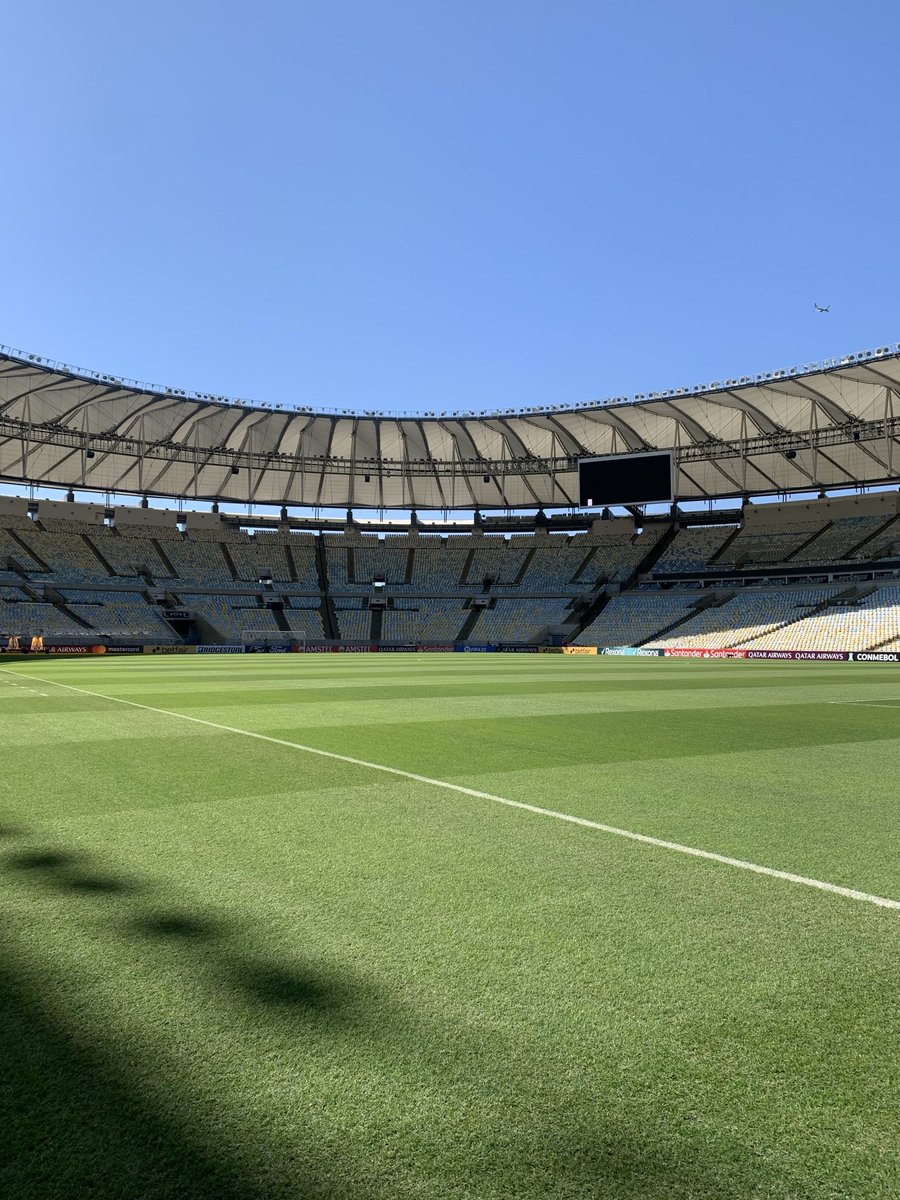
x=625 y=479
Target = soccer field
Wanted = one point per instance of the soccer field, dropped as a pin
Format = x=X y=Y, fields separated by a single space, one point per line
x=233 y=968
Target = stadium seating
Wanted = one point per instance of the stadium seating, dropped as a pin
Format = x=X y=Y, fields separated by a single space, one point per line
x=428 y=619
x=858 y=625
x=630 y=619
x=533 y=581
x=758 y=544
x=744 y=617
x=522 y=621
x=838 y=539
x=692 y=548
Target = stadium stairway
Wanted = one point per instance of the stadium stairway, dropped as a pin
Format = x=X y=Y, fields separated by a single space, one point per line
x=229 y=561
x=281 y=620
x=291 y=565
x=526 y=563
x=32 y=554
x=472 y=618
x=60 y=605
x=721 y=550
x=652 y=557
x=591 y=609
x=809 y=541
x=377 y=624
x=99 y=555
x=854 y=550
x=326 y=610
x=583 y=565
x=163 y=558
x=713 y=600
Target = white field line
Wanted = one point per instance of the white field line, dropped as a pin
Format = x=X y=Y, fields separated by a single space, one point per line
x=879 y=703
x=644 y=839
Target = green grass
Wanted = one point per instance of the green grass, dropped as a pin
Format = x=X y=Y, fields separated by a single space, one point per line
x=231 y=969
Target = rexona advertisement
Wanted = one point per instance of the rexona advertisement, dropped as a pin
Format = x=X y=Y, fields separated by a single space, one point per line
x=632 y=651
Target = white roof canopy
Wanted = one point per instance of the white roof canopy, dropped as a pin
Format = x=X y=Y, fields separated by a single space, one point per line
x=828 y=425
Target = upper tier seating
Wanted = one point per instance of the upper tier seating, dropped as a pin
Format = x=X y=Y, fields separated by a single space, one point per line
x=838 y=539
x=557 y=562
x=757 y=544
x=692 y=548
x=374 y=558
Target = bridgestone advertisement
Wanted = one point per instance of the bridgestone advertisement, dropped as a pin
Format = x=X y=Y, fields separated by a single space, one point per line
x=220 y=649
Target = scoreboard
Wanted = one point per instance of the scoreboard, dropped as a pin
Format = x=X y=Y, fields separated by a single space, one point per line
x=626 y=479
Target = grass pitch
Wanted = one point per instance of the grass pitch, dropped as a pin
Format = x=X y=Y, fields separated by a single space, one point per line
x=231 y=969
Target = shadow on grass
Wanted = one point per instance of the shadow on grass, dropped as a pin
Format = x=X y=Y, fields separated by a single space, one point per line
x=74 y=1125
x=77 y=1117
x=70 y=872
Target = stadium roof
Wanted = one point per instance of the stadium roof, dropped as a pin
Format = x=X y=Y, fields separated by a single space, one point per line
x=821 y=426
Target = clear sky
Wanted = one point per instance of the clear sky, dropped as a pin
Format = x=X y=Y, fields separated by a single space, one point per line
x=407 y=204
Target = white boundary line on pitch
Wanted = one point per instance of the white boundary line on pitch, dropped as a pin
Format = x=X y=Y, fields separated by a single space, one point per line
x=879 y=703
x=644 y=839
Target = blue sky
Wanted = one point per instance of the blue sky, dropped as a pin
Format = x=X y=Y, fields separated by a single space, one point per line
x=424 y=204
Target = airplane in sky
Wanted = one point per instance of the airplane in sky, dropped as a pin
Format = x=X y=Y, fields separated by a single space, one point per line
x=821 y=307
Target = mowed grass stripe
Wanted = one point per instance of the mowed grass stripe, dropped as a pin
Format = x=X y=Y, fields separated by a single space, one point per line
x=380 y=991
x=644 y=839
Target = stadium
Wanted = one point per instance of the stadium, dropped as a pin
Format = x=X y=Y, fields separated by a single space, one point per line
x=812 y=575
x=404 y=850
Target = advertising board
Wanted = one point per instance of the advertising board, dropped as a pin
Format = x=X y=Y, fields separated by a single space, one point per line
x=678 y=652
x=799 y=655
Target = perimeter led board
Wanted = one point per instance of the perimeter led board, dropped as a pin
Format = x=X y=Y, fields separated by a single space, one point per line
x=626 y=479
